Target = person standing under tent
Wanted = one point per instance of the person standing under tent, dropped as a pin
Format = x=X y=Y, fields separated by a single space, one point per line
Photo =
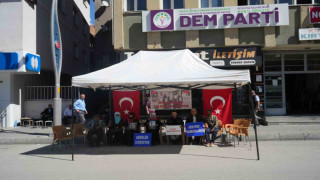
x=80 y=107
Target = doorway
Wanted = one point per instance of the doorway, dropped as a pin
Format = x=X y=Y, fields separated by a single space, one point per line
x=302 y=93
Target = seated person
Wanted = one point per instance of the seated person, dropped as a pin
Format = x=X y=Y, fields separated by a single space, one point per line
x=212 y=125
x=194 y=117
x=106 y=117
x=153 y=125
x=175 y=120
x=95 y=129
x=67 y=115
x=115 y=133
x=47 y=114
x=132 y=126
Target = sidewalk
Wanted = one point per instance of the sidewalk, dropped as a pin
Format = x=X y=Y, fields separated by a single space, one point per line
x=28 y=135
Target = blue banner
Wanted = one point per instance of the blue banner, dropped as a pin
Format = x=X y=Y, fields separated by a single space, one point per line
x=142 y=139
x=9 y=61
x=194 y=129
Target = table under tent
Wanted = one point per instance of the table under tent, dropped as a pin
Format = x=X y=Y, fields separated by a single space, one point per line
x=154 y=70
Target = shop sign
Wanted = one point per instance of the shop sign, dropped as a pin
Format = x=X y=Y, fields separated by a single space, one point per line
x=230 y=57
x=215 y=18
x=173 y=130
x=309 y=34
x=194 y=129
x=314 y=14
x=142 y=139
x=33 y=62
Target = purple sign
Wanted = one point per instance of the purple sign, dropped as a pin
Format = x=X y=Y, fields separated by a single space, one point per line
x=162 y=20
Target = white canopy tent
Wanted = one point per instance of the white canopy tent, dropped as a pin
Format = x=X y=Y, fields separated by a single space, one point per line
x=164 y=69
x=161 y=69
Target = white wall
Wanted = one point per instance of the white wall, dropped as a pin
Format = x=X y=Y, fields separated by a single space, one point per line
x=29 y=24
x=11 y=25
x=33 y=109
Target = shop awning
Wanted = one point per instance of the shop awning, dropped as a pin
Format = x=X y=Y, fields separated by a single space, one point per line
x=162 y=69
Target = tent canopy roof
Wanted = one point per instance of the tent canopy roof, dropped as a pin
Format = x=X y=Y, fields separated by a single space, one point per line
x=162 y=69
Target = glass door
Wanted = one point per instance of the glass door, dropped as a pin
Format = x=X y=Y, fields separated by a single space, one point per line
x=274 y=97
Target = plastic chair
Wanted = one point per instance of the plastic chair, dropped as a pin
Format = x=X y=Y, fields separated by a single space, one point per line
x=47 y=122
x=234 y=132
x=60 y=133
x=243 y=130
x=220 y=132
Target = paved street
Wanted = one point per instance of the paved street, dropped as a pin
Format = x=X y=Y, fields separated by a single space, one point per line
x=279 y=160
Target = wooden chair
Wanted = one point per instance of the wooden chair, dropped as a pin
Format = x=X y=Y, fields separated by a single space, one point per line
x=79 y=131
x=60 y=133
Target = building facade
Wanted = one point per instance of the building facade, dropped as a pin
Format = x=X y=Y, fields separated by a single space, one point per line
x=25 y=28
x=285 y=69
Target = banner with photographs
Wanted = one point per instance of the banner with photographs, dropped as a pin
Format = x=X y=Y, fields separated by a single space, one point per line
x=171 y=99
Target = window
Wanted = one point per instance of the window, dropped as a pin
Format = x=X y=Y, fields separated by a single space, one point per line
x=75 y=51
x=84 y=27
x=85 y=57
x=172 y=4
x=294 y=62
x=76 y=17
x=273 y=88
x=296 y=2
x=211 y=3
x=272 y=62
x=249 y=2
x=135 y=5
x=313 y=61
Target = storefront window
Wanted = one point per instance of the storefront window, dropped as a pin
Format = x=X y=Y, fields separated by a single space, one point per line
x=294 y=62
x=273 y=88
x=313 y=61
x=254 y=2
x=173 y=4
x=249 y=2
x=317 y=1
x=304 y=1
x=272 y=62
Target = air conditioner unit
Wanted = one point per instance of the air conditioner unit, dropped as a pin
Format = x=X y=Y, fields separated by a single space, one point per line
x=105 y=3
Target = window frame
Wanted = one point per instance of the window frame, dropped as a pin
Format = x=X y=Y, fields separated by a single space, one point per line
x=135 y=6
x=210 y=4
x=171 y=4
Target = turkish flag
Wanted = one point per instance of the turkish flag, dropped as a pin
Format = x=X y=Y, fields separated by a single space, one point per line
x=220 y=102
x=126 y=102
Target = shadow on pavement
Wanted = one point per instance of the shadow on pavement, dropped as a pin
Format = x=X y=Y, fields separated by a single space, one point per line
x=22 y=132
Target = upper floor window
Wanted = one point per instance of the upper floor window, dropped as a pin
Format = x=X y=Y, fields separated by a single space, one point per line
x=172 y=4
x=249 y=2
x=296 y=2
x=75 y=17
x=211 y=3
x=135 y=5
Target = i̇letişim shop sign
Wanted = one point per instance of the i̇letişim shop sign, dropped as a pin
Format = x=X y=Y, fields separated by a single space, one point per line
x=215 y=18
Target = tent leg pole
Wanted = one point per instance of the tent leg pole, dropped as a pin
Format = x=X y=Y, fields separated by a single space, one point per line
x=110 y=109
x=72 y=119
x=254 y=121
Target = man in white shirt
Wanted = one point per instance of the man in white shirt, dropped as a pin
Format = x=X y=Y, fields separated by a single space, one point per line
x=67 y=115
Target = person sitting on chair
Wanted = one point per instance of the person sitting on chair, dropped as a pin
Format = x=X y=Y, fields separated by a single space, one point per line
x=67 y=115
x=95 y=129
x=153 y=125
x=175 y=120
x=47 y=114
x=132 y=126
x=212 y=125
x=115 y=133
x=194 y=117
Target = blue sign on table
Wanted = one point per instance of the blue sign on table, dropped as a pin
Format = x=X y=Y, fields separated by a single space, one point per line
x=142 y=139
x=194 y=129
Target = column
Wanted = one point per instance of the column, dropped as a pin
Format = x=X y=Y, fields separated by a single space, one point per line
x=192 y=36
x=153 y=38
x=269 y=32
x=231 y=35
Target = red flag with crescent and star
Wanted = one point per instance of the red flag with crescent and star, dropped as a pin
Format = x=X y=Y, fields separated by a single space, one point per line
x=220 y=102
x=126 y=102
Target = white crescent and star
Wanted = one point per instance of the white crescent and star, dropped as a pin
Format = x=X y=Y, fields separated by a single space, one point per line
x=217 y=98
x=126 y=99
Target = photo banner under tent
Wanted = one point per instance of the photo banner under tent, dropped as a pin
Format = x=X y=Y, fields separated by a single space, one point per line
x=173 y=99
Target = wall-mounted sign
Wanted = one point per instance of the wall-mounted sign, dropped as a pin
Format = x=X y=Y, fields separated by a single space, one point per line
x=314 y=14
x=216 y=18
x=33 y=62
x=231 y=56
x=9 y=61
x=309 y=34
